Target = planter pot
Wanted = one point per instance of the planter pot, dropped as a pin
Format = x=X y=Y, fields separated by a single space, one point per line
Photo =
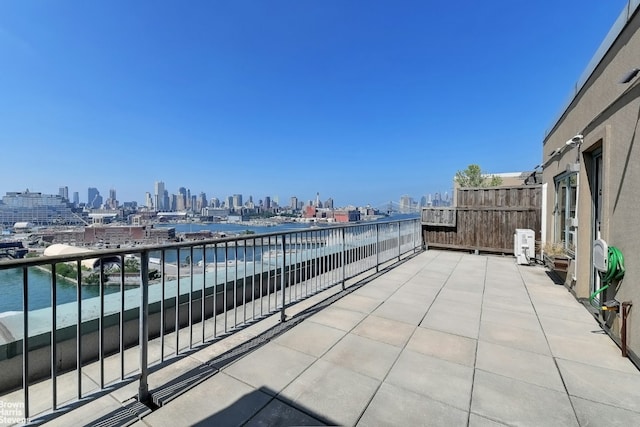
x=560 y=264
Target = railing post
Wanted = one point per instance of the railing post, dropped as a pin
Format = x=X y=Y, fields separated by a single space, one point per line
x=283 y=315
x=25 y=339
x=377 y=247
x=343 y=258
x=143 y=387
x=54 y=339
x=399 y=245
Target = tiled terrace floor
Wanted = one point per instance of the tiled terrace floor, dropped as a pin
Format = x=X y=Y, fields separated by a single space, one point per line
x=446 y=339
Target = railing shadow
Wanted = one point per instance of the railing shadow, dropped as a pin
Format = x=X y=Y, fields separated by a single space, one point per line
x=261 y=408
x=135 y=410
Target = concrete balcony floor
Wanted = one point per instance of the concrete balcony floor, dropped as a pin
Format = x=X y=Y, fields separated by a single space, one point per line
x=446 y=339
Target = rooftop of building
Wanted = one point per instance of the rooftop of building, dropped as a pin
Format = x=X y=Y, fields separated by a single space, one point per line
x=446 y=338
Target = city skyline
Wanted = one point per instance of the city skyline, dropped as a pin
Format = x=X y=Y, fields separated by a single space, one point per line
x=361 y=101
x=95 y=199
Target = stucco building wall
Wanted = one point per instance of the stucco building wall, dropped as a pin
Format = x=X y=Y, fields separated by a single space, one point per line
x=607 y=114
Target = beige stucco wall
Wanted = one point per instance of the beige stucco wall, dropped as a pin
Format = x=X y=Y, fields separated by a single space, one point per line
x=607 y=113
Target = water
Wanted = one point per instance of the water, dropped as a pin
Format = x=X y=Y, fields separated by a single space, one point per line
x=66 y=291
x=40 y=290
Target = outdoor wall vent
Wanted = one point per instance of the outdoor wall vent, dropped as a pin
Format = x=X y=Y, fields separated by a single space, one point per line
x=600 y=252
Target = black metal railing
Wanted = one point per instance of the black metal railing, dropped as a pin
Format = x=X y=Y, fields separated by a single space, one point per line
x=216 y=286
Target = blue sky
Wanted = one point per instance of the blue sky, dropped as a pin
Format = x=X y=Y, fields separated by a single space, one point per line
x=362 y=101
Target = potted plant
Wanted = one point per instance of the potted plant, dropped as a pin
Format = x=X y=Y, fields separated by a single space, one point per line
x=556 y=257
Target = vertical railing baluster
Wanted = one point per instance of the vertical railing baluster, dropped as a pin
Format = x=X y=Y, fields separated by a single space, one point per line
x=399 y=251
x=235 y=285
x=215 y=291
x=143 y=333
x=25 y=339
x=253 y=281
x=190 y=297
x=283 y=316
x=79 y=328
x=244 y=283
x=54 y=355
x=177 y=307
x=226 y=280
x=162 y=301
x=121 y=319
x=342 y=258
x=269 y=274
x=315 y=260
x=101 y=326
x=262 y=276
x=203 y=316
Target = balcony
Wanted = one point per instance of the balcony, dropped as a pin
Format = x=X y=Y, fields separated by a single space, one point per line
x=436 y=337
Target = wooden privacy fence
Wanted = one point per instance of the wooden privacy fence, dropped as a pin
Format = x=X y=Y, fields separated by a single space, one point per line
x=483 y=219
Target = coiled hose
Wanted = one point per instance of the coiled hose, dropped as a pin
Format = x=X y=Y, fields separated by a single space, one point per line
x=615 y=271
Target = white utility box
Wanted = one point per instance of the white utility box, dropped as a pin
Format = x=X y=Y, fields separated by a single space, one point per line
x=524 y=245
x=600 y=255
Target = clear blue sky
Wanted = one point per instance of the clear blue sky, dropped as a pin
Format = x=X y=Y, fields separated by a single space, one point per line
x=362 y=101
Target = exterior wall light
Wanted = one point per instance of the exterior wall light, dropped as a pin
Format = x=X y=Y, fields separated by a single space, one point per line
x=629 y=76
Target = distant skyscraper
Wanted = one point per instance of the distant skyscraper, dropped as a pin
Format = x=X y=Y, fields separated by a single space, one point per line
x=201 y=202
x=181 y=201
x=76 y=198
x=294 y=203
x=329 y=203
x=267 y=202
x=159 y=192
x=64 y=193
x=406 y=203
x=112 y=202
x=148 y=200
x=166 y=202
x=237 y=201
x=94 y=199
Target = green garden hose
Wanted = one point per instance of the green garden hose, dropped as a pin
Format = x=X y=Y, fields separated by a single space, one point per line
x=615 y=271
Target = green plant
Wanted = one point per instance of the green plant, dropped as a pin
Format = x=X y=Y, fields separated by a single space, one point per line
x=473 y=176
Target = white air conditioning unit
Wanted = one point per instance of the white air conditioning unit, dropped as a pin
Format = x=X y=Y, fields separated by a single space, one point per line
x=524 y=245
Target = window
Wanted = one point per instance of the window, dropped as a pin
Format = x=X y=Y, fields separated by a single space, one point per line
x=565 y=210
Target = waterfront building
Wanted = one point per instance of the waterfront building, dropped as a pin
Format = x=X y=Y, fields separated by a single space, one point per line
x=112 y=235
x=350 y=215
x=36 y=208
